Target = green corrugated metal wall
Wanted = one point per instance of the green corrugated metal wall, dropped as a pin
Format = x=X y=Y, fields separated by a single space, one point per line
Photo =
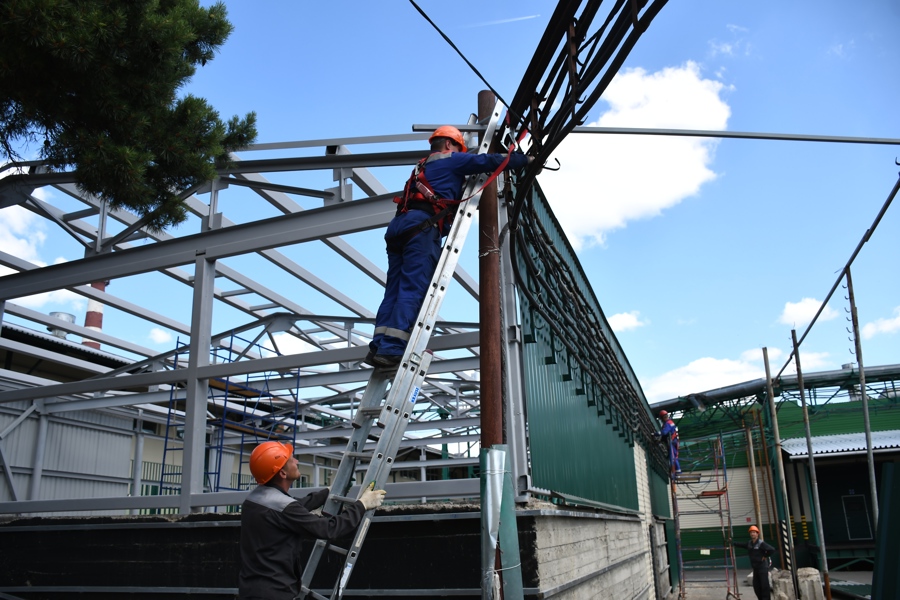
x=579 y=443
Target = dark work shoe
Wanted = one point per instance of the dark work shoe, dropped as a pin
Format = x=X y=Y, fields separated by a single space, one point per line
x=383 y=361
x=369 y=359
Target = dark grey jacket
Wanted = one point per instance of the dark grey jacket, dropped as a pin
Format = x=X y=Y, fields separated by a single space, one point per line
x=272 y=527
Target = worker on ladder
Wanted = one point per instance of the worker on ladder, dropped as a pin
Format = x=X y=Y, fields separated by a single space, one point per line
x=669 y=433
x=273 y=523
x=425 y=211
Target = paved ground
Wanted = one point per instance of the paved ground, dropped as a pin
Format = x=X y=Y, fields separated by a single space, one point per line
x=702 y=585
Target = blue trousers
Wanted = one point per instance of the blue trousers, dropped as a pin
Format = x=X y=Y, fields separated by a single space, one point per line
x=410 y=269
x=673 y=454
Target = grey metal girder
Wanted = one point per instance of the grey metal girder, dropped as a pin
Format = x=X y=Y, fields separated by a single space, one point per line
x=314 y=224
x=221 y=370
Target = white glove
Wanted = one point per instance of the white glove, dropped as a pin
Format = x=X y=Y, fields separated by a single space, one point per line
x=372 y=499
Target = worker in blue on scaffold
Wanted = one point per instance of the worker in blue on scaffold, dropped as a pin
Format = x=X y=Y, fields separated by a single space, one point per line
x=425 y=211
x=669 y=433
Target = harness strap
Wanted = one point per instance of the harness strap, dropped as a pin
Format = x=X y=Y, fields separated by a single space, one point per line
x=396 y=243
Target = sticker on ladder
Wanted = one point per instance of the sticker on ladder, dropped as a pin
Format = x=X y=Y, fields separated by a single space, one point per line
x=344 y=577
x=415 y=394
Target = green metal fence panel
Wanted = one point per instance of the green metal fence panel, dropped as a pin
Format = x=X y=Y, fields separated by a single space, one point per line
x=580 y=424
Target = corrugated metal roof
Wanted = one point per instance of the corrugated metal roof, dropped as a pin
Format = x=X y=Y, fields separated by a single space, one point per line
x=842 y=443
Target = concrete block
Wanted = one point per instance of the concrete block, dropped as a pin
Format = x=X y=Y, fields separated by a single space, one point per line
x=810 y=583
x=782 y=586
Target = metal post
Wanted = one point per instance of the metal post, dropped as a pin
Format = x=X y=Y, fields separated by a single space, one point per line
x=820 y=533
x=489 y=304
x=854 y=317
x=40 y=443
x=137 y=468
x=753 y=487
x=779 y=461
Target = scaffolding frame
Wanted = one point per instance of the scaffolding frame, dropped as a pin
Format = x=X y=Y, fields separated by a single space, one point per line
x=706 y=489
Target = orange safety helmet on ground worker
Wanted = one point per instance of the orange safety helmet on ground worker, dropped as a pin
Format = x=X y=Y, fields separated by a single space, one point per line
x=663 y=414
x=451 y=132
x=267 y=459
x=753 y=528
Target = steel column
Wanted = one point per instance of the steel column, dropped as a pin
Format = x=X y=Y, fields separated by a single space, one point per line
x=37 y=465
x=779 y=461
x=820 y=526
x=854 y=317
x=197 y=391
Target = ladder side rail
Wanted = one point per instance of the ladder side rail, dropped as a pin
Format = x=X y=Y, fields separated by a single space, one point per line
x=380 y=467
x=396 y=415
x=362 y=426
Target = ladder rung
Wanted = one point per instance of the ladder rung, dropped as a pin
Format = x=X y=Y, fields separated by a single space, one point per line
x=343 y=499
x=360 y=454
x=375 y=410
x=315 y=595
x=337 y=549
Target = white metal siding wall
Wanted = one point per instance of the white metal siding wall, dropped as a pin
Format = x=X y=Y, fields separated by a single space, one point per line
x=84 y=455
x=646 y=509
x=740 y=500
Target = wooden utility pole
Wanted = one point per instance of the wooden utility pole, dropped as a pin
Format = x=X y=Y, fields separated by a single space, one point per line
x=489 y=300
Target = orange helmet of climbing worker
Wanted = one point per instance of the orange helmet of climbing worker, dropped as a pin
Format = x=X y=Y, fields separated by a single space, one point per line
x=450 y=132
x=267 y=459
x=753 y=528
x=663 y=414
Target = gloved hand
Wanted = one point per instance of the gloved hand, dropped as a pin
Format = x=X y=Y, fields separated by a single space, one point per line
x=372 y=499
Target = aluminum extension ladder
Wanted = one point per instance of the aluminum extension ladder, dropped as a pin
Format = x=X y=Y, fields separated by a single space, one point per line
x=406 y=382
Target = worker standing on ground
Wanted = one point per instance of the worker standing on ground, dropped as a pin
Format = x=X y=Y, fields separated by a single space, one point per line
x=273 y=524
x=759 y=553
x=424 y=214
x=669 y=433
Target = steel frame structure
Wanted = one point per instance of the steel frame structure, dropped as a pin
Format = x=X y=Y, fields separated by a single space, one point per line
x=228 y=299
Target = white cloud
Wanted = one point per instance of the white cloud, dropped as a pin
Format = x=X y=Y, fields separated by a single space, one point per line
x=842 y=50
x=22 y=233
x=625 y=321
x=755 y=355
x=608 y=180
x=159 y=336
x=809 y=362
x=701 y=375
x=705 y=374
x=289 y=344
x=872 y=329
x=797 y=314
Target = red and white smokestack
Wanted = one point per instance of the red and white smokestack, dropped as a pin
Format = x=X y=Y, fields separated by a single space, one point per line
x=93 y=319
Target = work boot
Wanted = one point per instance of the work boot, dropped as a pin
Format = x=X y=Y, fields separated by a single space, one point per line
x=383 y=361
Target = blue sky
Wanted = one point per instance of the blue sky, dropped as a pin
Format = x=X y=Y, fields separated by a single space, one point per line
x=700 y=251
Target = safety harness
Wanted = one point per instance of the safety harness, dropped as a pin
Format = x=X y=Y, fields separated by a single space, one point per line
x=418 y=194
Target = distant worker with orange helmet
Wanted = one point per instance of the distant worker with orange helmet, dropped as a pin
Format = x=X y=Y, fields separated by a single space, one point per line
x=759 y=553
x=273 y=524
x=424 y=213
x=669 y=432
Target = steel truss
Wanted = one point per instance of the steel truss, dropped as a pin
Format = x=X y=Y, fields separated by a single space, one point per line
x=244 y=278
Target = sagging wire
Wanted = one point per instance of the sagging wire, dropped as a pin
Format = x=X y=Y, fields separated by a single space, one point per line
x=461 y=55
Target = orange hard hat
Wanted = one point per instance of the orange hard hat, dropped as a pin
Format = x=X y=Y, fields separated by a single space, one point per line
x=449 y=131
x=753 y=528
x=267 y=459
x=663 y=414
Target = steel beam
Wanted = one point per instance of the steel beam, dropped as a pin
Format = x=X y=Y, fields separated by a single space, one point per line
x=221 y=243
